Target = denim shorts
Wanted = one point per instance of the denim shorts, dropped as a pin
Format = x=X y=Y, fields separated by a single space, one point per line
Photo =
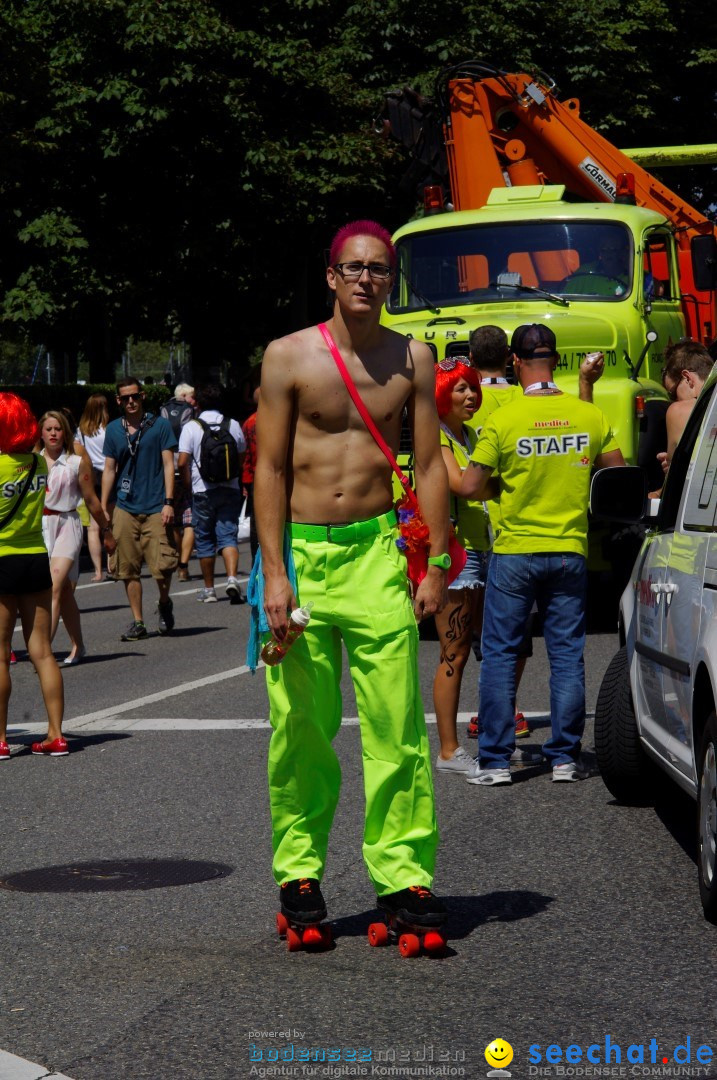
x=215 y=517
x=475 y=573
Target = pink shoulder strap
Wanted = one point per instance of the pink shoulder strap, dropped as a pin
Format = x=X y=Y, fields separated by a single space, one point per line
x=362 y=410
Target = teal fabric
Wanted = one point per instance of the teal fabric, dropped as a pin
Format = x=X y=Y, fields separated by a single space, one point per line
x=258 y=626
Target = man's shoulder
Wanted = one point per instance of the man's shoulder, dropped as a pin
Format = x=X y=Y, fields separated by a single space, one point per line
x=294 y=345
x=162 y=428
x=114 y=429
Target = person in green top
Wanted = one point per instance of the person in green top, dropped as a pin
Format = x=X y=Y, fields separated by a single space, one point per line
x=458 y=395
x=489 y=353
x=25 y=580
x=536 y=455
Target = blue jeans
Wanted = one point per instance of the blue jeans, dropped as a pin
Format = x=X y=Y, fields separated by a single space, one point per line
x=215 y=517
x=557 y=583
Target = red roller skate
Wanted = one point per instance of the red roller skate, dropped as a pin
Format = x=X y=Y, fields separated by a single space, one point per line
x=414 y=921
x=300 y=920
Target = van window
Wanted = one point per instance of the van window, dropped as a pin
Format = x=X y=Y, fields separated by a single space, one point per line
x=701 y=502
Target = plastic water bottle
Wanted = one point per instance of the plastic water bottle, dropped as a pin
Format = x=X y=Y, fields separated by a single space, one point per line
x=274 y=651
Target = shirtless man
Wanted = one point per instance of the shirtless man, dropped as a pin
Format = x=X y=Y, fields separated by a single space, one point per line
x=322 y=482
x=687 y=365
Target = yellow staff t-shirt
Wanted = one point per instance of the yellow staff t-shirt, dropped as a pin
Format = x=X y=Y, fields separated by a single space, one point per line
x=542 y=448
x=23 y=535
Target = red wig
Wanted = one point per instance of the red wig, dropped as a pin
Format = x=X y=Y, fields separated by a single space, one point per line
x=361 y=228
x=446 y=380
x=18 y=427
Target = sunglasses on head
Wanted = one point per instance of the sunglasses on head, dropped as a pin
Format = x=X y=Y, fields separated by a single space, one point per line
x=450 y=363
x=130 y=397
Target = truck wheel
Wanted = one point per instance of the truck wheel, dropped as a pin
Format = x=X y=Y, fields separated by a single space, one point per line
x=707 y=820
x=626 y=770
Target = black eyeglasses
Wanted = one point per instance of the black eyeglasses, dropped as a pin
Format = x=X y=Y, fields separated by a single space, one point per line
x=450 y=362
x=352 y=271
x=130 y=397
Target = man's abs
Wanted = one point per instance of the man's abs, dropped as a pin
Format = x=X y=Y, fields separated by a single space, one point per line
x=337 y=478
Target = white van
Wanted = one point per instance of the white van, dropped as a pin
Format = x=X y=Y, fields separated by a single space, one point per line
x=656 y=705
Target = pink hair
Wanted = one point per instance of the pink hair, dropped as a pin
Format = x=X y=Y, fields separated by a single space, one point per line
x=361 y=228
x=446 y=380
x=18 y=426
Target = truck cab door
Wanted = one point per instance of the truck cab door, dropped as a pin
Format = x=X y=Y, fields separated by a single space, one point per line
x=660 y=294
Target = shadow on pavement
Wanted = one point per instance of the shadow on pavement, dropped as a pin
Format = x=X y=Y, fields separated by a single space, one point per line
x=465 y=913
x=76 y=743
x=677 y=811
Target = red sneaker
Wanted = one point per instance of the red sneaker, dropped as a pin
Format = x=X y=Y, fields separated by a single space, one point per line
x=13 y=658
x=4 y=751
x=472 y=729
x=522 y=727
x=56 y=748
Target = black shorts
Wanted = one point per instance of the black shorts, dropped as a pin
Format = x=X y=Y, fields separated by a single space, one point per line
x=23 y=574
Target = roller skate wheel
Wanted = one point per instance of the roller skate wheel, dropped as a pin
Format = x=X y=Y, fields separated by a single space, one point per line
x=378 y=934
x=293 y=940
x=281 y=924
x=434 y=942
x=409 y=945
x=327 y=935
x=313 y=936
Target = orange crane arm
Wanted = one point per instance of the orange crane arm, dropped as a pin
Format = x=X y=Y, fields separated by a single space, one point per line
x=512 y=125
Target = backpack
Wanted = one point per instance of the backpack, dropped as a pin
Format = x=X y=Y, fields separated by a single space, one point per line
x=177 y=413
x=218 y=453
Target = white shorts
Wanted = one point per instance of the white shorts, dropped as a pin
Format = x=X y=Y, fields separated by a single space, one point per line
x=62 y=534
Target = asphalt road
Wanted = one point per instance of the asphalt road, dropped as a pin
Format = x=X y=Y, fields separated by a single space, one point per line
x=572 y=919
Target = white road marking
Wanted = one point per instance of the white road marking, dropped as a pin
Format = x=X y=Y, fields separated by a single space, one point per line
x=110 y=721
x=162 y=695
x=16 y=1068
x=185 y=592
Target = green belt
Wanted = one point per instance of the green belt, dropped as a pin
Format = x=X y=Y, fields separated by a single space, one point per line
x=343 y=534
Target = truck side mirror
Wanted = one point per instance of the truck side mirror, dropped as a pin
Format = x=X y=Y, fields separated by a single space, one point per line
x=619 y=494
x=704 y=262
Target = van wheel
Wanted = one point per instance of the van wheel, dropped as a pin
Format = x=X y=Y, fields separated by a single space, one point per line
x=627 y=772
x=707 y=820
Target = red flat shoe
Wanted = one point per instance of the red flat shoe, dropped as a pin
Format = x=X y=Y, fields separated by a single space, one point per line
x=56 y=748
x=4 y=751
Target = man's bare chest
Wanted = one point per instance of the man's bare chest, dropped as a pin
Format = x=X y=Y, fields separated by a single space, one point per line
x=325 y=403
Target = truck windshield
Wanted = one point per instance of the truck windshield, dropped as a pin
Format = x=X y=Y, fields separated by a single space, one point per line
x=477 y=264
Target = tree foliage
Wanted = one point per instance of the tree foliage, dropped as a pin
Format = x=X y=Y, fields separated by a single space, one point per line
x=173 y=166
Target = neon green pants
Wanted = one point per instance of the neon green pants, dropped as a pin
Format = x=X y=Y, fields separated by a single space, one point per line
x=360 y=595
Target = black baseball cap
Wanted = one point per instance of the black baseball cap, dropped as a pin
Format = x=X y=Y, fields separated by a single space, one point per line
x=530 y=337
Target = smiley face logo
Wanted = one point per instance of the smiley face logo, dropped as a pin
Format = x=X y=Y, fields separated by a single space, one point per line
x=499 y=1054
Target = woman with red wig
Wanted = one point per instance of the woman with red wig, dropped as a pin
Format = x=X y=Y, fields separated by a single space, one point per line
x=458 y=396
x=25 y=581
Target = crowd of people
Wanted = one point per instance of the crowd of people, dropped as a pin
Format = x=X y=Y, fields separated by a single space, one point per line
x=150 y=487
x=502 y=466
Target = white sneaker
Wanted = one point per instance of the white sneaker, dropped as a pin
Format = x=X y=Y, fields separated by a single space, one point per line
x=207 y=596
x=489 y=777
x=233 y=589
x=459 y=762
x=570 y=771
